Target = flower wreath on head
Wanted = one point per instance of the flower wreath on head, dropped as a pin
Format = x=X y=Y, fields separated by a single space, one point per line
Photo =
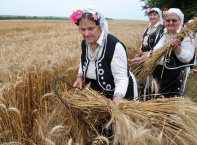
x=96 y=17
x=77 y=15
x=165 y=10
x=148 y=10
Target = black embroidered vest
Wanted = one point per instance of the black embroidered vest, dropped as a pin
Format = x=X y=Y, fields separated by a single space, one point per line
x=173 y=63
x=153 y=38
x=104 y=79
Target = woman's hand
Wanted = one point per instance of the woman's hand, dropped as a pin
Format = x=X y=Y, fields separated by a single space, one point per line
x=116 y=101
x=174 y=43
x=136 y=58
x=78 y=83
x=139 y=58
x=117 y=98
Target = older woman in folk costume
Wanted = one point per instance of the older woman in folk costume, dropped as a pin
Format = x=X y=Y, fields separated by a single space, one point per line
x=173 y=70
x=150 y=38
x=103 y=59
x=154 y=31
x=152 y=34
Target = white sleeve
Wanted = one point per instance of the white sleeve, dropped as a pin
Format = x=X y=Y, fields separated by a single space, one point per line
x=80 y=69
x=160 y=43
x=119 y=69
x=187 y=50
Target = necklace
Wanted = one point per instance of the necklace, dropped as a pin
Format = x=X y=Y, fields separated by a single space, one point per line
x=93 y=55
x=150 y=30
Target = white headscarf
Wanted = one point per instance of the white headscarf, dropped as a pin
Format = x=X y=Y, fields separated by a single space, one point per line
x=159 y=13
x=103 y=23
x=180 y=15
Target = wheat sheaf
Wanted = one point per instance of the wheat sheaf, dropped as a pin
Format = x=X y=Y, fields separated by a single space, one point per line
x=157 y=122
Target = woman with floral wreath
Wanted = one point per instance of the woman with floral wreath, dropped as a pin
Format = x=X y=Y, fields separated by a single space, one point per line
x=103 y=60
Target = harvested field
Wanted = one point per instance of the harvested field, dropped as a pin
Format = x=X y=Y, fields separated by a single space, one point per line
x=34 y=53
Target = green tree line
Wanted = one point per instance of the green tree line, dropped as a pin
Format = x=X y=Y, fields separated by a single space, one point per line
x=32 y=18
x=188 y=7
x=3 y=17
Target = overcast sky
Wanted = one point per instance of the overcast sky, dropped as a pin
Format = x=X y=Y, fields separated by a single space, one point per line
x=116 y=9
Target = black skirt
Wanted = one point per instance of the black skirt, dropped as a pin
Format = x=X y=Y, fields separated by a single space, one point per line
x=171 y=81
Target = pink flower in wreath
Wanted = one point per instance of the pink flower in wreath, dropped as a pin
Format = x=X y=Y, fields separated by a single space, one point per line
x=76 y=15
x=73 y=17
x=95 y=17
x=148 y=10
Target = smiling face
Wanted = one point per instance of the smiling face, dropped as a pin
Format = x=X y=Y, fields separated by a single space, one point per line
x=173 y=22
x=89 y=30
x=153 y=17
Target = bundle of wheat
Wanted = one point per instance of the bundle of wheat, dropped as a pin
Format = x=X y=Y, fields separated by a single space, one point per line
x=159 y=121
x=150 y=64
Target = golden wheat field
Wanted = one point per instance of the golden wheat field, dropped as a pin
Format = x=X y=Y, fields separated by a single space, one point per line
x=35 y=52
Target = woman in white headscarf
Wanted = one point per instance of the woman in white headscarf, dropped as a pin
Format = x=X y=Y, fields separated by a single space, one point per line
x=150 y=38
x=153 y=33
x=103 y=59
x=173 y=69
